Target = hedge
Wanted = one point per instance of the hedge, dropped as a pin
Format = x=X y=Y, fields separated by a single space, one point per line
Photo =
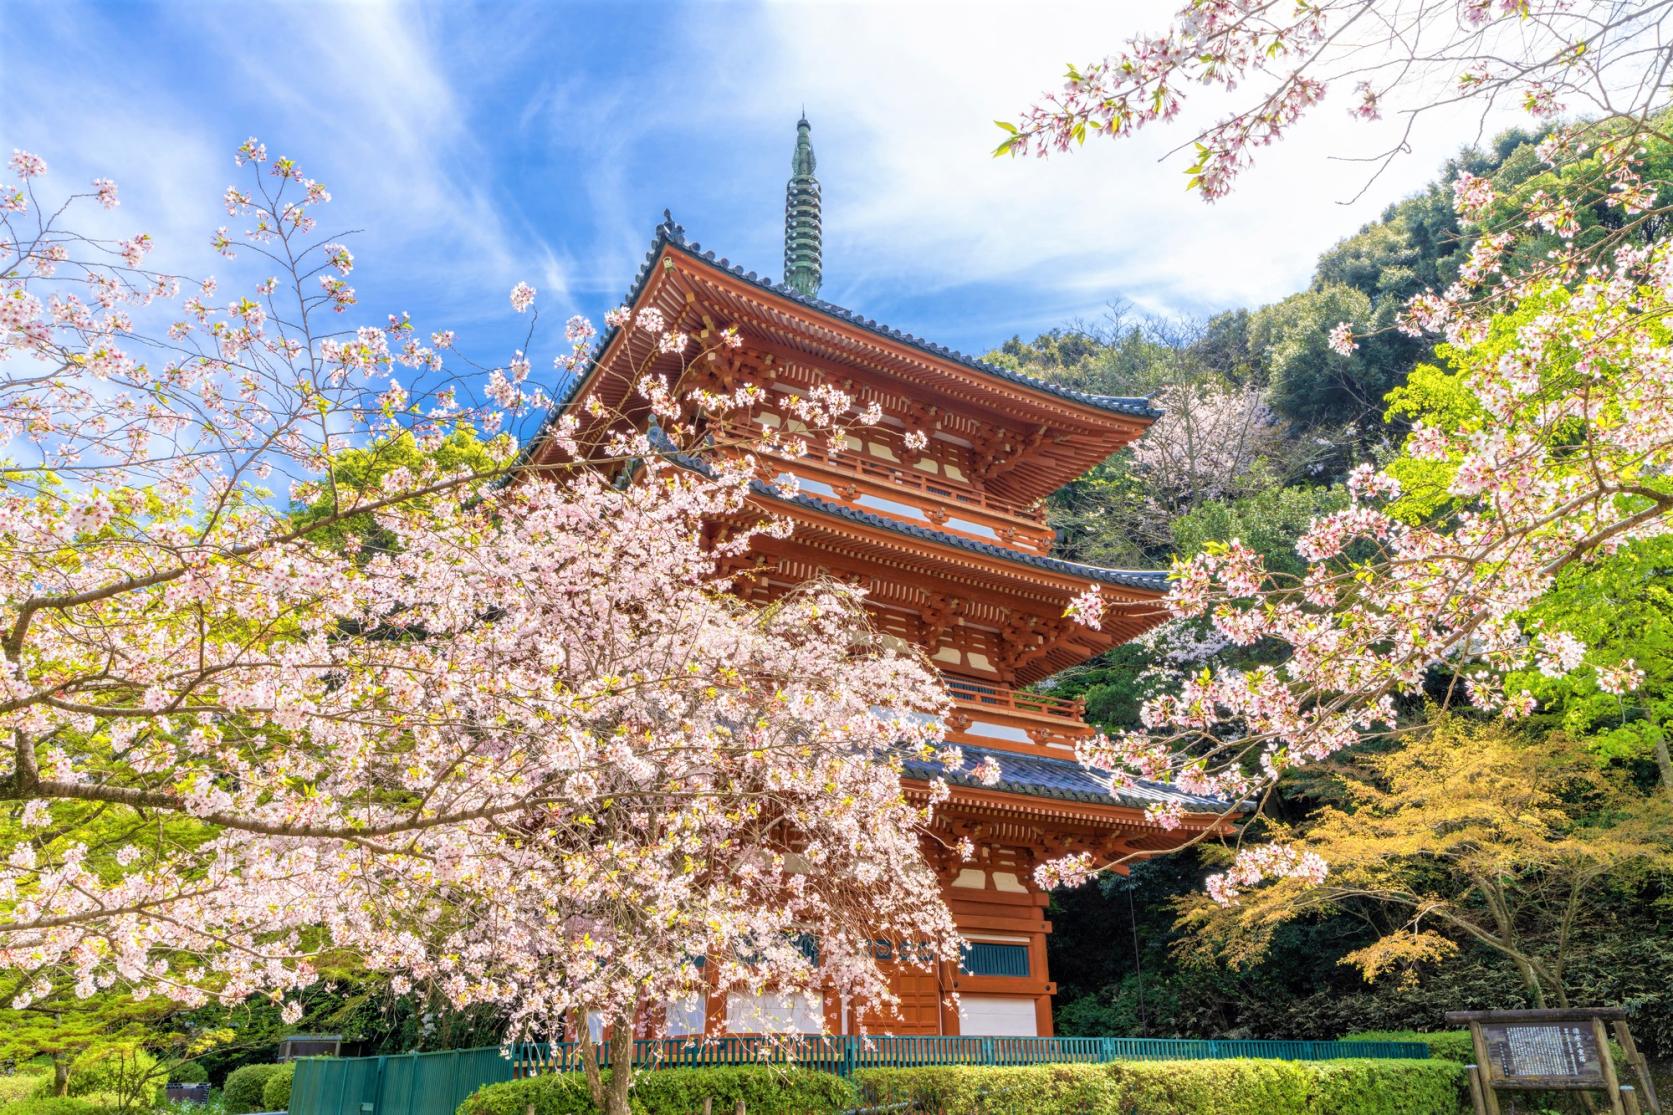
x=275 y=1094
x=1230 y=1087
x=765 y=1090
x=242 y=1091
x=188 y=1072
x=966 y=1090
x=1369 y=1088
x=1449 y=1045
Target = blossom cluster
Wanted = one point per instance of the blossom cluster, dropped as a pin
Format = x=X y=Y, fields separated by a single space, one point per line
x=1284 y=60
x=490 y=724
x=1568 y=443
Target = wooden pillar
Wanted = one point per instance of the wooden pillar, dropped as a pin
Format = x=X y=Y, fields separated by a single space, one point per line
x=1611 y=1081
x=1489 y=1099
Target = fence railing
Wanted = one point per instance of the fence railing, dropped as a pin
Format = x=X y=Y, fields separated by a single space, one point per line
x=846 y=1054
x=437 y=1083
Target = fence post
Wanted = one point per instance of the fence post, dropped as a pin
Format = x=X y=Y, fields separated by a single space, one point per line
x=1106 y=1049
x=377 y=1091
x=987 y=1051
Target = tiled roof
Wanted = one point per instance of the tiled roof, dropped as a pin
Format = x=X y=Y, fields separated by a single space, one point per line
x=1063 y=779
x=1154 y=580
x=669 y=233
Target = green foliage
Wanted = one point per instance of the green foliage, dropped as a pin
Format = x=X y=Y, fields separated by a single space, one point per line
x=1222 y=1087
x=23 y=1085
x=275 y=1094
x=1372 y=1088
x=54 y=1105
x=244 y=1087
x=1445 y=1045
x=967 y=1090
x=1233 y=1087
x=1621 y=607
x=765 y=1090
x=125 y=1073
x=1306 y=380
x=188 y=1072
x=356 y=474
x=1105 y=517
x=1268 y=522
x=563 y=1093
x=63 y=1027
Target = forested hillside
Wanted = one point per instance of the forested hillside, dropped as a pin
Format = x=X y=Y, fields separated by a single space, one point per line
x=1474 y=864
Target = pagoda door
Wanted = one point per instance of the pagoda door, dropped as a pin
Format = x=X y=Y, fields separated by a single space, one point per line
x=920 y=1003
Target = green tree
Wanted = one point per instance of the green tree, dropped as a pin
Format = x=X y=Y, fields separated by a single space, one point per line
x=108 y=1043
x=1306 y=379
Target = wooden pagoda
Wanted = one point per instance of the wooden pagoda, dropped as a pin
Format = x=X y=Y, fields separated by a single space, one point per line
x=952 y=547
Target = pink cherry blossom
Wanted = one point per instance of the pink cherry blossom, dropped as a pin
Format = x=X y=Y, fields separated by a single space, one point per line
x=27 y=165
x=494 y=727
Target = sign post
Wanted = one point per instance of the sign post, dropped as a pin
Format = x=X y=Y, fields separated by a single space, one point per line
x=1552 y=1050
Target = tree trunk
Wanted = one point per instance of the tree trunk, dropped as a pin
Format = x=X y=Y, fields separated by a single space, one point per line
x=1500 y=910
x=60 y=1074
x=1664 y=764
x=589 y=1061
x=621 y=1067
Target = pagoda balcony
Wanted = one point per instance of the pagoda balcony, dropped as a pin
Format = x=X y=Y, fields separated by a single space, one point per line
x=1005 y=719
x=905 y=494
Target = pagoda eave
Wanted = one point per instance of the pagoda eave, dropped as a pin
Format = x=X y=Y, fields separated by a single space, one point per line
x=785 y=330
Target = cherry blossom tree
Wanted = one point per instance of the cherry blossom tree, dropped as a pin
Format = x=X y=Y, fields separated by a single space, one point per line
x=1556 y=335
x=300 y=657
x=1209 y=444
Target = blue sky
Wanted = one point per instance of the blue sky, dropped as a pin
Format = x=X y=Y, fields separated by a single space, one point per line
x=479 y=144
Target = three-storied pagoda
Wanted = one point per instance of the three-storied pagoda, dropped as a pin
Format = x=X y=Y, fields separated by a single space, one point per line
x=951 y=544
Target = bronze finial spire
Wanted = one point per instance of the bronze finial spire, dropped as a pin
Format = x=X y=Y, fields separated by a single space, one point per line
x=802 y=233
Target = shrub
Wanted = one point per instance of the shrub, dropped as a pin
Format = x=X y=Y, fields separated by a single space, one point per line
x=275 y=1094
x=1231 y=1087
x=1449 y=1045
x=53 y=1105
x=1435 y=1087
x=563 y=1093
x=188 y=1072
x=765 y=1090
x=122 y=1073
x=23 y=1085
x=967 y=1090
x=243 y=1088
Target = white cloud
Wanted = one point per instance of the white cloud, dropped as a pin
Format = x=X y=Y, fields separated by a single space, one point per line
x=902 y=97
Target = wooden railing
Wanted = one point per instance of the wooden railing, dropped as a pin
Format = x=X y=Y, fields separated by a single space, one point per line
x=1001 y=698
x=1012 y=522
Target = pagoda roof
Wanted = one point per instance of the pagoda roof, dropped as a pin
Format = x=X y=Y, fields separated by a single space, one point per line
x=1152 y=580
x=669 y=234
x=1040 y=776
x=1147 y=580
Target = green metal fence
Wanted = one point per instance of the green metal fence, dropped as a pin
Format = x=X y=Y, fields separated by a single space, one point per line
x=406 y=1084
x=436 y=1083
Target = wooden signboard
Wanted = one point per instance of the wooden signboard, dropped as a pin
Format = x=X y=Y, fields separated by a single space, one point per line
x=1561 y=1050
x=1543 y=1055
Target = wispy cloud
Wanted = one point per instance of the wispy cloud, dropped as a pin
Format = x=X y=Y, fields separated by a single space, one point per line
x=479 y=145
